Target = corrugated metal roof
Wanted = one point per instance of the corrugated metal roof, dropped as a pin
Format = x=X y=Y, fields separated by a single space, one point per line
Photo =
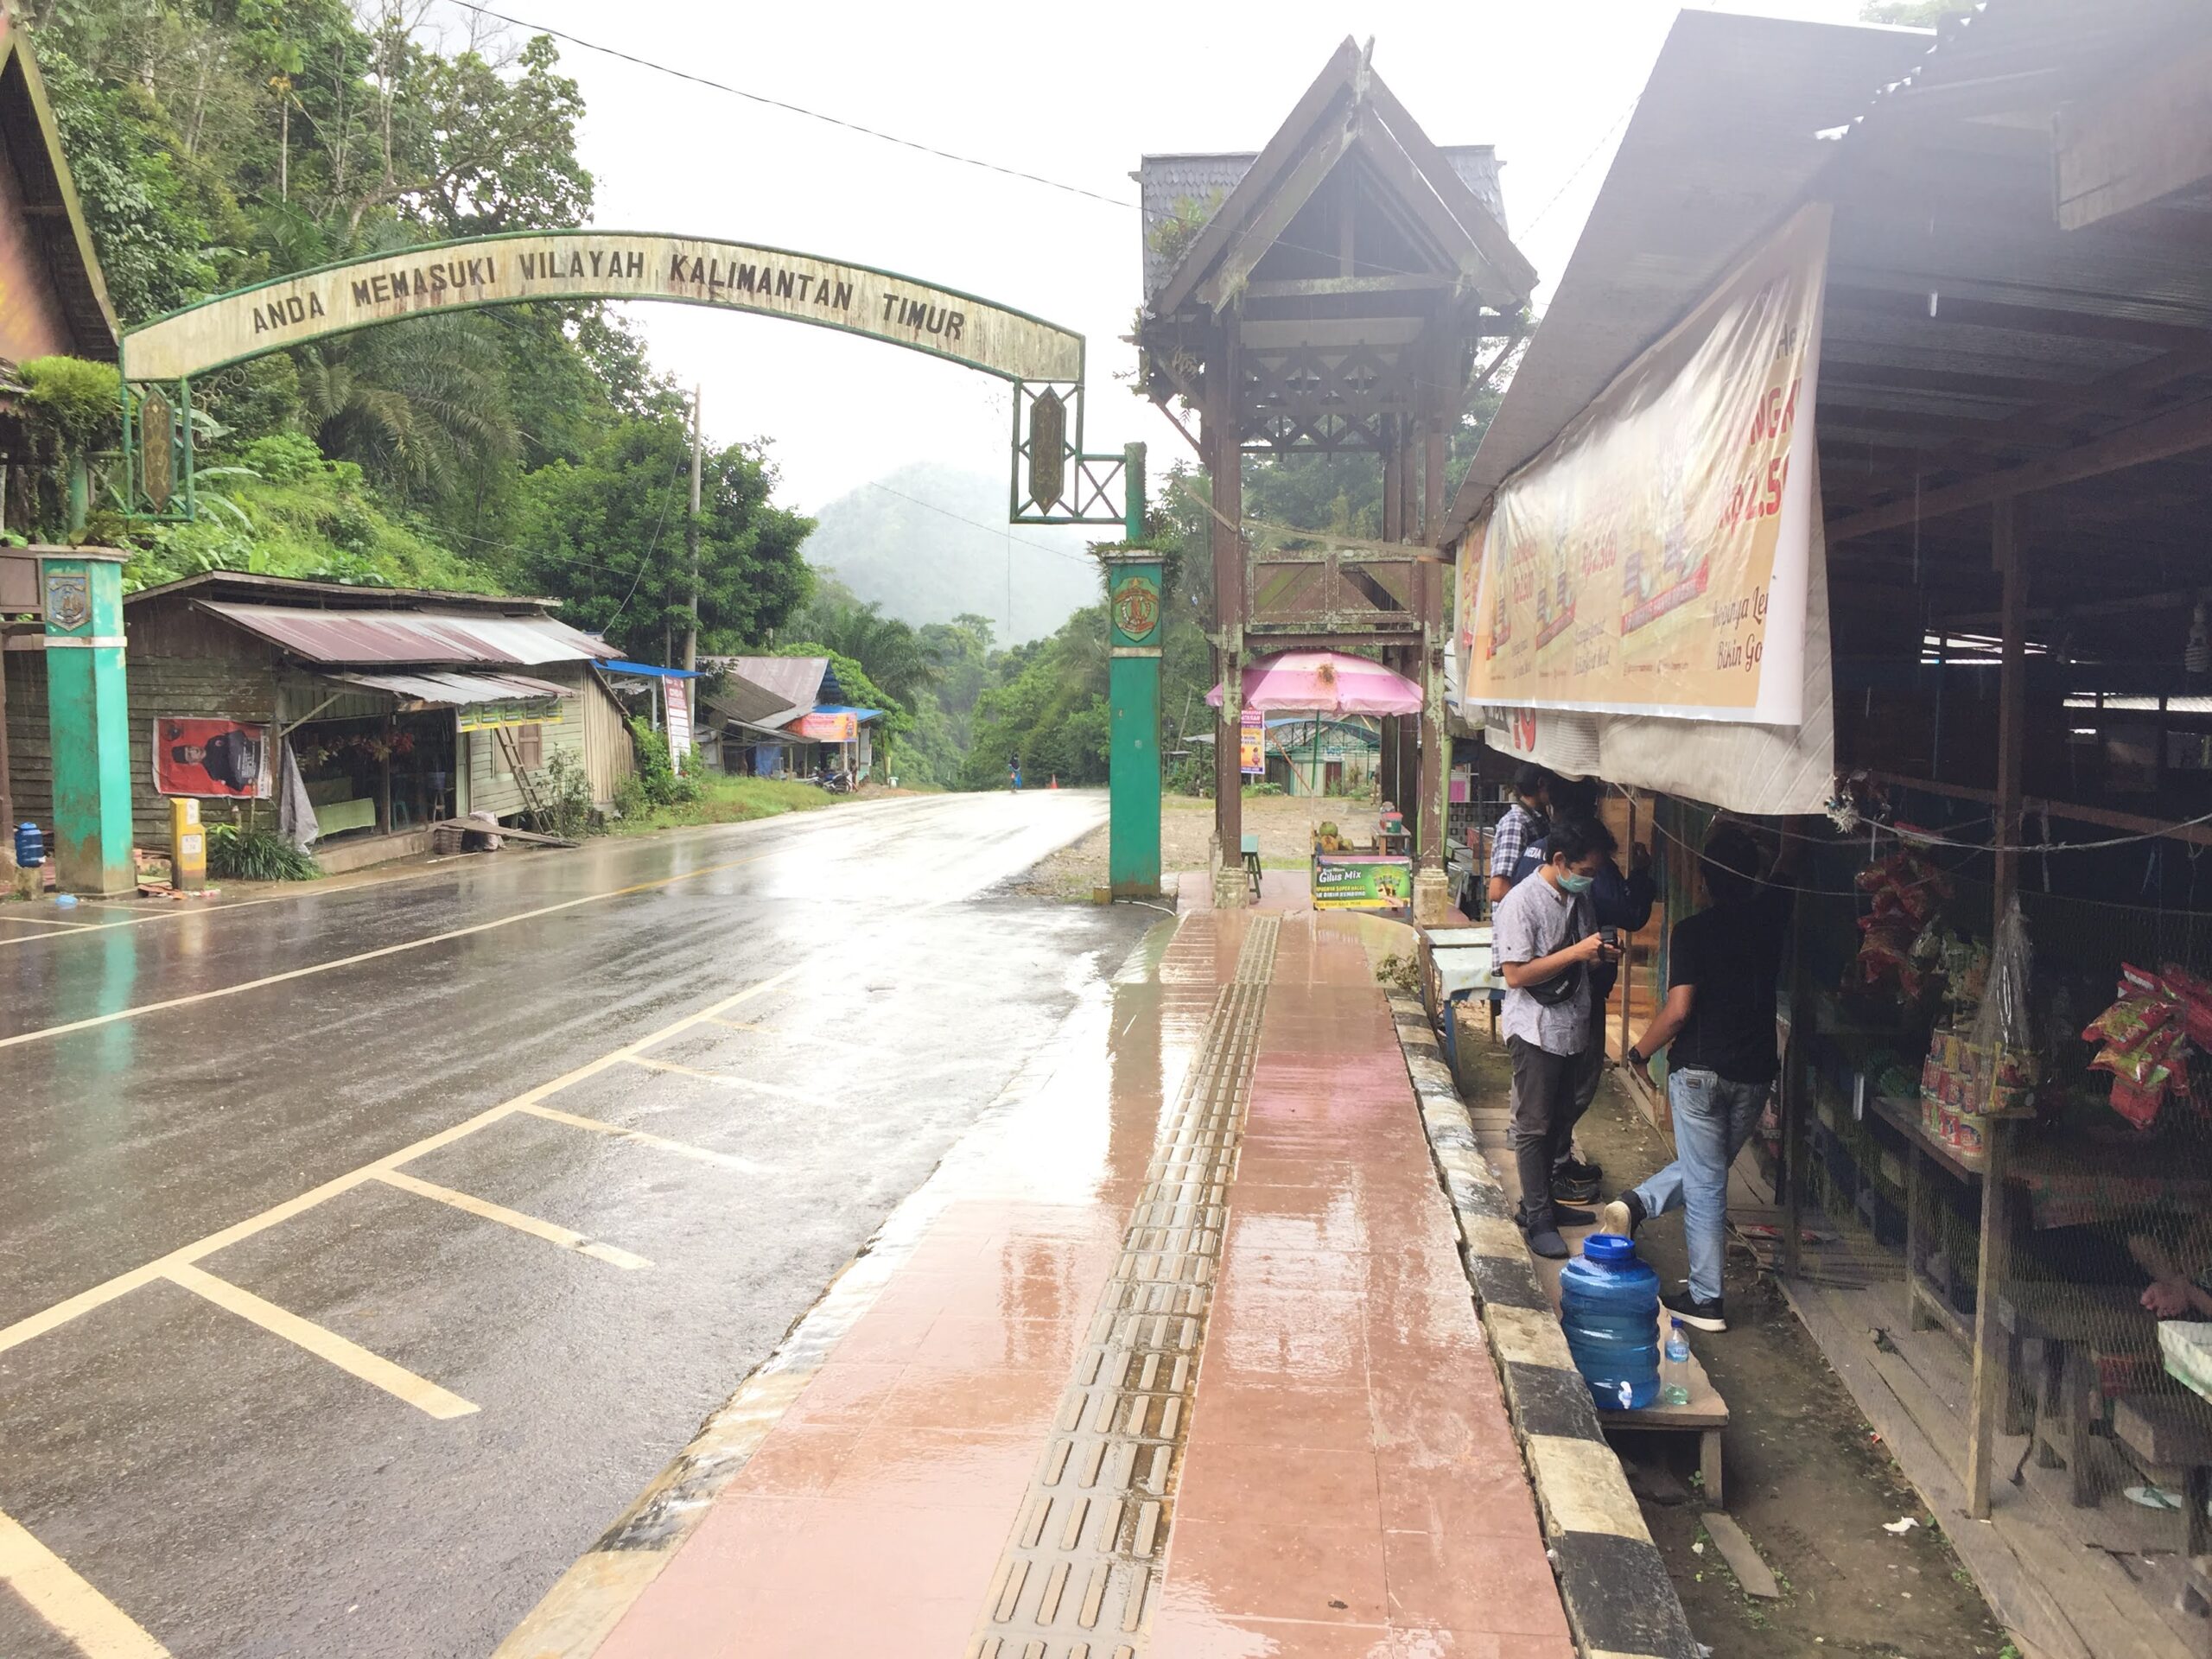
x=456 y=690
x=746 y=704
x=797 y=680
x=1164 y=183
x=428 y=637
x=1721 y=144
x=351 y=596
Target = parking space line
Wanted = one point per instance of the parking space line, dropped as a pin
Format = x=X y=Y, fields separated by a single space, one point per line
x=844 y=1043
x=726 y=1079
x=324 y=1343
x=661 y=1143
x=48 y=921
x=552 y=1232
x=122 y=1284
x=75 y=1612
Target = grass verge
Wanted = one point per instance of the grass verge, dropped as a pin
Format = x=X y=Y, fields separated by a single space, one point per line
x=728 y=800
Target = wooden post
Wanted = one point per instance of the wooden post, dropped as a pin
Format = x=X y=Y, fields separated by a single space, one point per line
x=1790 y=1254
x=1992 y=1380
x=1432 y=479
x=1224 y=463
x=1627 y=949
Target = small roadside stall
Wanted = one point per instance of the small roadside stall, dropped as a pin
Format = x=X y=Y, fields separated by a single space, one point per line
x=1345 y=874
x=1974 y=493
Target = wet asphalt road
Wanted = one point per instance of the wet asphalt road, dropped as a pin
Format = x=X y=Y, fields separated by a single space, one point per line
x=236 y=1493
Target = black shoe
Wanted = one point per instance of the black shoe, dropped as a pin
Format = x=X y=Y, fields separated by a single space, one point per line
x=1624 y=1215
x=1565 y=1215
x=1699 y=1316
x=1577 y=1169
x=1571 y=1191
x=1543 y=1234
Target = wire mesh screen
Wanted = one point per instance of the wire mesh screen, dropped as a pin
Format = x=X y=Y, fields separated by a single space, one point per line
x=2100 y=1240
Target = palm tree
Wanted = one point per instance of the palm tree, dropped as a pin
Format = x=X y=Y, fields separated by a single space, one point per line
x=421 y=406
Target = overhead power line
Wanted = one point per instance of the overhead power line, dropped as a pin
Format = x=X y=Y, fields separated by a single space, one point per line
x=794 y=109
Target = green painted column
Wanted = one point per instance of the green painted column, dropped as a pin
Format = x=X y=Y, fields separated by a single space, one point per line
x=88 y=718
x=1136 y=626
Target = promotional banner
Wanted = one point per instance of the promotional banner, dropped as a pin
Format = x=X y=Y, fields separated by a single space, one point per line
x=1362 y=881
x=1252 y=744
x=826 y=729
x=1744 y=767
x=218 y=759
x=1653 y=559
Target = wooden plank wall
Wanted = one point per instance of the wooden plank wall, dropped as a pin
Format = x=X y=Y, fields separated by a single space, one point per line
x=236 y=685
x=610 y=757
x=492 y=786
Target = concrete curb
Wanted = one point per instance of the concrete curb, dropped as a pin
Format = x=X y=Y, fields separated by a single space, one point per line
x=1620 y=1603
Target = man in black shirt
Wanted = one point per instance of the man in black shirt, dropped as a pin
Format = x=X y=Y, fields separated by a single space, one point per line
x=1722 y=967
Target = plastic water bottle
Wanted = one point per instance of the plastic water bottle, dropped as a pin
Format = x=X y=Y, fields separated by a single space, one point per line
x=1609 y=1307
x=1675 y=1373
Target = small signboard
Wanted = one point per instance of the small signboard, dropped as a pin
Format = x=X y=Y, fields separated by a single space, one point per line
x=819 y=727
x=679 y=722
x=1252 y=745
x=1362 y=881
x=223 y=759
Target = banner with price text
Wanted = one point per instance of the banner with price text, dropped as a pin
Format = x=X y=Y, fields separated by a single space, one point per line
x=1653 y=559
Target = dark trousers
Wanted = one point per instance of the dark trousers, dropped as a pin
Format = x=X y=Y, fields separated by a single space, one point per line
x=1549 y=1094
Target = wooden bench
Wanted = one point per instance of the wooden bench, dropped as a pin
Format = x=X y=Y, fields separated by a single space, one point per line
x=2168 y=1437
x=1705 y=1415
x=2079 y=1326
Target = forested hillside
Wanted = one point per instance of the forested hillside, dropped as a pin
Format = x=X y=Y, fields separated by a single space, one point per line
x=525 y=448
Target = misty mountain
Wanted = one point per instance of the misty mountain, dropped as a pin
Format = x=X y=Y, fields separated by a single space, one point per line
x=930 y=542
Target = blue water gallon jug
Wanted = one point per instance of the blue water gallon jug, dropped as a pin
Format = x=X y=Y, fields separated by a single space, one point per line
x=1609 y=1304
x=30 y=846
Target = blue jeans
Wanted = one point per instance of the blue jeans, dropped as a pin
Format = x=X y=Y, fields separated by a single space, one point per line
x=1713 y=1116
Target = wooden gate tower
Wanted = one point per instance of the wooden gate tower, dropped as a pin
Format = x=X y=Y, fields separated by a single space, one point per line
x=1330 y=293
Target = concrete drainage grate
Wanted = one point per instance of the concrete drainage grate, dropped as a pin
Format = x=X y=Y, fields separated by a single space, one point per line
x=1077 y=1578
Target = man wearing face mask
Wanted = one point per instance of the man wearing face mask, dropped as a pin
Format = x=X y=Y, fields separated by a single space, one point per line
x=1545 y=935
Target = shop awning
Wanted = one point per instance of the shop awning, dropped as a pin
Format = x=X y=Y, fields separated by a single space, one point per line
x=618 y=665
x=435 y=689
x=456 y=637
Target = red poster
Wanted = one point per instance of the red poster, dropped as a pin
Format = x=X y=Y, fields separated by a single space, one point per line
x=220 y=758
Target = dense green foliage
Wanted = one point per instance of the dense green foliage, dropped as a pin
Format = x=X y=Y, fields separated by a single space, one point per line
x=218 y=142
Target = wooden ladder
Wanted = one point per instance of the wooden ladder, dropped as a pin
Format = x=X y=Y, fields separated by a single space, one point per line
x=512 y=750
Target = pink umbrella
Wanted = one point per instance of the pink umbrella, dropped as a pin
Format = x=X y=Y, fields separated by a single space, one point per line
x=1327 y=683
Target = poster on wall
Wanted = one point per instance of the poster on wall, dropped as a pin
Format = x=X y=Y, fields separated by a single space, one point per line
x=222 y=758
x=1653 y=559
x=1252 y=744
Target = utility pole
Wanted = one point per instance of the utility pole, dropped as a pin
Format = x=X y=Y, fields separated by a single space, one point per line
x=691 y=540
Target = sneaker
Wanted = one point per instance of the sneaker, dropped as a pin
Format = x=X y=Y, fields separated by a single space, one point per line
x=1543 y=1235
x=1572 y=1191
x=1624 y=1215
x=1565 y=1215
x=1577 y=1169
x=1699 y=1316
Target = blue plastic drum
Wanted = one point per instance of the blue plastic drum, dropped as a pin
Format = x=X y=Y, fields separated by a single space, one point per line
x=1609 y=1304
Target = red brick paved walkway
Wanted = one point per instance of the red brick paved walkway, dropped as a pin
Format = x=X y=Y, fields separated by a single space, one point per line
x=1336 y=1476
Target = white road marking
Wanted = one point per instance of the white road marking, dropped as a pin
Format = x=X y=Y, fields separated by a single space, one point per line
x=726 y=1079
x=367 y=956
x=552 y=1232
x=76 y=1612
x=99 y=1295
x=323 y=1343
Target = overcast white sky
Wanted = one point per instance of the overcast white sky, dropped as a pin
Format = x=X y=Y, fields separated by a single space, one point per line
x=1074 y=91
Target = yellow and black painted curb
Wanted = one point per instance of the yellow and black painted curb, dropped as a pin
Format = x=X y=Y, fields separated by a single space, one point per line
x=1620 y=1603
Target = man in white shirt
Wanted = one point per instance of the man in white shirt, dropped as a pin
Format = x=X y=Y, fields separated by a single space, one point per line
x=1546 y=939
